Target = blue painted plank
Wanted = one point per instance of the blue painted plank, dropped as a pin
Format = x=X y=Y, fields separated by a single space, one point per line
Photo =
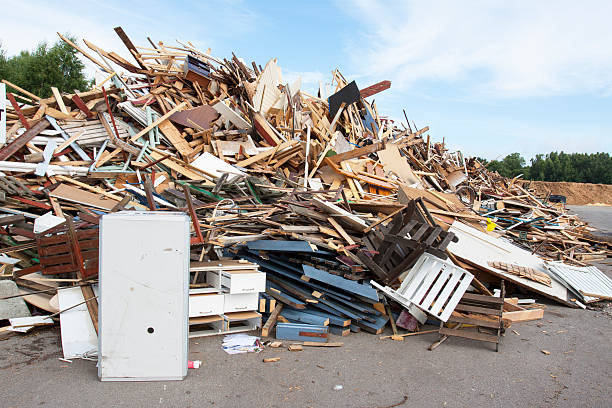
x=341 y=309
x=339 y=330
x=284 y=294
x=333 y=319
x=375 y=327
x=355 y=304
x=303 y=332
x=339 y=282
x=304 y=317
x=276 y=245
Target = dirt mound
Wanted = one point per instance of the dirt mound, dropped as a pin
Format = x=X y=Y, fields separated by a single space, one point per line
x=576 y=193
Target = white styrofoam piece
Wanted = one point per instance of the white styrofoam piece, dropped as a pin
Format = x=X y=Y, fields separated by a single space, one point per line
x=215 y=167
x=7 y=260
x=46 y=221
x=78 y=332
x=144 y=305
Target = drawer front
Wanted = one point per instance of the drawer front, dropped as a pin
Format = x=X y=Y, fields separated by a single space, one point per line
x=244 y=282
x=241 y=302
x=206 y=304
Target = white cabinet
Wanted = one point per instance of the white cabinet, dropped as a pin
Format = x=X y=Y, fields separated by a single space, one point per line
x=143 y=303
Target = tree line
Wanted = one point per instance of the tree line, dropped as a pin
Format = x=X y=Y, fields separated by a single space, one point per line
x=47 y=65
x=556 y=166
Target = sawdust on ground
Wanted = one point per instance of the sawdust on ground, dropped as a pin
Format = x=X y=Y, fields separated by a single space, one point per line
x=576 y=193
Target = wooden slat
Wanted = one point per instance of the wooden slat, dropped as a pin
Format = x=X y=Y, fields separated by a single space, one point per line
x=21 y=141
x=468 y=334
x=474 y=309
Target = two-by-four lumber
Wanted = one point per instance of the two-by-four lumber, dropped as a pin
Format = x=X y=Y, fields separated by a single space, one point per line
x=265 y=330
x=361 y=151
x=22 y=140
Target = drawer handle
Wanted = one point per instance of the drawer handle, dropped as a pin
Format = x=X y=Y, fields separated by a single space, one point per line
x=248 y=290
x=207 y=311
x=240 y=308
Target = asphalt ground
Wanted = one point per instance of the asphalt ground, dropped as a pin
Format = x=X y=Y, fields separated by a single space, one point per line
x=370 y=371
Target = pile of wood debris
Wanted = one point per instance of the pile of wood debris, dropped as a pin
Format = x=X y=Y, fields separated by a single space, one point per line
x=324 y=193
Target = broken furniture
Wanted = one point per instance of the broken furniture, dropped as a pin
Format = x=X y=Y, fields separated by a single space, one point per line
x=144 y=284
x=433 y=285
x=477 y=317
x=397 y=246
x=227 y=300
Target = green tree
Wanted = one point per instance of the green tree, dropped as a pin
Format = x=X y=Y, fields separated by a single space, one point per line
x=558 y=166
x=46 y=66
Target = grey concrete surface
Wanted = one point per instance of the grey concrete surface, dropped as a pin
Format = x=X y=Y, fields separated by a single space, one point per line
x=372 y=372
x=596 y=216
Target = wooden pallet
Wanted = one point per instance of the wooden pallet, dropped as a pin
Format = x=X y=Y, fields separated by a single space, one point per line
x=69 y=248
x=483 y=313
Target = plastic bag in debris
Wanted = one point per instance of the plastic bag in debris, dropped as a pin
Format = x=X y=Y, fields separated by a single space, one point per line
x=241 y=343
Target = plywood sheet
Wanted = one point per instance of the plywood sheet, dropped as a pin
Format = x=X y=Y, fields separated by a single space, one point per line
x=392 y=161
x=202 y=116
x=76 y=195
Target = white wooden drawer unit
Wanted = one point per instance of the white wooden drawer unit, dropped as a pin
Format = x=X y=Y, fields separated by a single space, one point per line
x=240 y=302
x=206 y=304
x=238 y=282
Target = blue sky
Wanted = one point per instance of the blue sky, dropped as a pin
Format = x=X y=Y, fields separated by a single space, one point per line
x=490 y=77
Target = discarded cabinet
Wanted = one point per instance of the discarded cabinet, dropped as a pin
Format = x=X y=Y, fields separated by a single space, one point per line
x=144 y=283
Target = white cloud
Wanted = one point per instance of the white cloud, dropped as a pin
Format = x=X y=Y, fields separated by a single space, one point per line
x=94 y=21
x=491 y=49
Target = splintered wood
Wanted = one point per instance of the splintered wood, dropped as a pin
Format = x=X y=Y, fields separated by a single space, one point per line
x=322 y=192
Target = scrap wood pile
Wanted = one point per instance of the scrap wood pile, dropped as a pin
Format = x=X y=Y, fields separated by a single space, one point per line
x=335 y=202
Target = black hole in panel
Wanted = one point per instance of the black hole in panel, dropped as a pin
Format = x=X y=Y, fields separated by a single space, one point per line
x=150 y=330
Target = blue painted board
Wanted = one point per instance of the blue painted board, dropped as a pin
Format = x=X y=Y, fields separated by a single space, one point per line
x=339 y=282
x=333 y=319
x=374 y=327
x=276 y=245
x=304 y=317
x=302 y=332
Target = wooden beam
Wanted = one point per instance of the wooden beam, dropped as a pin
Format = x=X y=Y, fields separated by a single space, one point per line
x=21 y=141
x=23 y=91
x=59 y=99
x=158 y=121
x=265 y=330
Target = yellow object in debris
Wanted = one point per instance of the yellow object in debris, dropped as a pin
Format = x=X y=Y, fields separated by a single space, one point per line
x=490 y=225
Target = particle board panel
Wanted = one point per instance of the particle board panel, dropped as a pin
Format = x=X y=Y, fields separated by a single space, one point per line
x=76 y=195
